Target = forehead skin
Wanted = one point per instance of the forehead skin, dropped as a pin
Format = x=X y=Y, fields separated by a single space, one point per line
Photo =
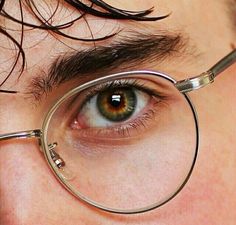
x=204 y=29
x=29 y=194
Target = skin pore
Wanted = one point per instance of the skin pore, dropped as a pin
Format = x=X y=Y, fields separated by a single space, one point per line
x=30 y=194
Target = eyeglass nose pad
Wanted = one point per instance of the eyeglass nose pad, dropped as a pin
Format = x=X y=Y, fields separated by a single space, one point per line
x=66 y=174
x=61 y=165
x=63 y=169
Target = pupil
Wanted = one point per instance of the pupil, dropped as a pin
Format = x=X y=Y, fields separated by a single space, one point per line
x=115 y=101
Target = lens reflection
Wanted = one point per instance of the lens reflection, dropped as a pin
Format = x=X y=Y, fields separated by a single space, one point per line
x=130 y=164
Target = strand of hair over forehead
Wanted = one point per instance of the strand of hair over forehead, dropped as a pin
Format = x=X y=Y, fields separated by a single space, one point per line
x=96 y=8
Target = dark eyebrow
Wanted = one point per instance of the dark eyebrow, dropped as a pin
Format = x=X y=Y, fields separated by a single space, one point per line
x=127 y=51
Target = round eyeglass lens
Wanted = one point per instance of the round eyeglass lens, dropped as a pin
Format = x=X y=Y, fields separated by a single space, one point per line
x=124 y=143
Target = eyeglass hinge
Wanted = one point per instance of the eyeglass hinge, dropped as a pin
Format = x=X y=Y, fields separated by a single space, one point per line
x=195 y=83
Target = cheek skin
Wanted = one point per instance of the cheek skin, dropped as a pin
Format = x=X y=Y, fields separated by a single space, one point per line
x=208 y=197
x=204 y=199
x=30 y=194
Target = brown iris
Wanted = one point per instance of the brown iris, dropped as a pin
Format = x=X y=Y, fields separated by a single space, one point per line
x=117 y=104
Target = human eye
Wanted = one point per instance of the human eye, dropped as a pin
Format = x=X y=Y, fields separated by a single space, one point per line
x=118 y=109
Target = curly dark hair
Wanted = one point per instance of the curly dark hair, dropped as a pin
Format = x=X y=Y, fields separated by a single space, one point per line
x=97 y=8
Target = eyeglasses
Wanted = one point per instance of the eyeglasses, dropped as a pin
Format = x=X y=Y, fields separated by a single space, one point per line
x=124 y=143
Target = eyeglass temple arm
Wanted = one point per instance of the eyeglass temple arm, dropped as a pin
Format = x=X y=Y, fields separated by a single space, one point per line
x=207 y=77
x=21 y=134
x=224 y=63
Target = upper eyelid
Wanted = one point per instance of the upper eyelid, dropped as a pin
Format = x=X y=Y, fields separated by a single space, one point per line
x=88 y=93
x=124 y=82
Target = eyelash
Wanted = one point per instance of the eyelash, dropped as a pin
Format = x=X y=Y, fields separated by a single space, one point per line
x=119 y=84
